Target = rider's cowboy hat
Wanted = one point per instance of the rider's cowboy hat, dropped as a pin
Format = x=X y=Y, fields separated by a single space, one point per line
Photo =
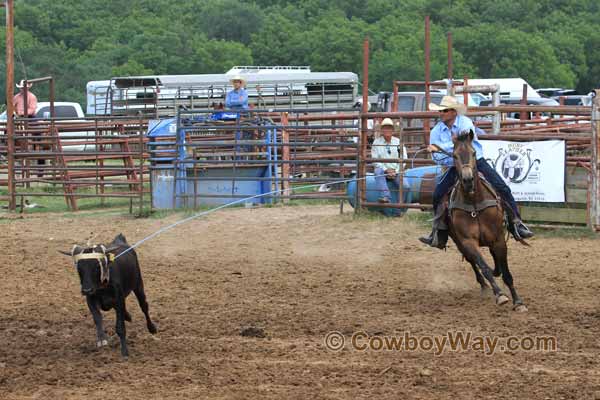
x=238 y=78
x=387 y=122
x=448 y=102
x=21 y=84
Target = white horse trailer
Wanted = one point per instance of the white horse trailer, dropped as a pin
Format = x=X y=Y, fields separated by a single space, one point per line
x=279 y=87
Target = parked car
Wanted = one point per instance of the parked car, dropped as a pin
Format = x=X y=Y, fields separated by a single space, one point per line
x=575 y=100
x=555 y=92
x=536 y=101
x=62 y=109
x=509 y=87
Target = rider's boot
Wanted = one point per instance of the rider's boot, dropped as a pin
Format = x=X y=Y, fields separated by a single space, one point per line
x=439 y=234
x=516 y=226
x=437 y=238
x=518 y=229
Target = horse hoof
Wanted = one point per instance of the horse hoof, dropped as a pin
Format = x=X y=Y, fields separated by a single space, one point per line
x=101 y=343
x=520 y=308
x=502 y=299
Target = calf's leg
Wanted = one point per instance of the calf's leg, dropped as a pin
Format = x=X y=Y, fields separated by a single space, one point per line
x=120 y=325
x=141 y=297
x=101 y=338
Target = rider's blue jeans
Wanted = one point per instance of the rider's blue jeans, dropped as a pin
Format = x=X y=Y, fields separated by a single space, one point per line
x=449 y=179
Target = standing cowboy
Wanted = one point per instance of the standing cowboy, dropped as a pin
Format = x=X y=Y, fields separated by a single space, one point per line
x=452 y=122
x=237 y=99
x=19 y=101
x=386 y=146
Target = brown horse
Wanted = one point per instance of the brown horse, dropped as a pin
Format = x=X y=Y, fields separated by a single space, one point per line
x=475 y=220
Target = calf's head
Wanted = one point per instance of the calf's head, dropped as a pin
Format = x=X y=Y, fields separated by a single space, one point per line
x=92 y=266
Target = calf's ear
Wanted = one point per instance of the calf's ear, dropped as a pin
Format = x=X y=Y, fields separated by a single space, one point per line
x=76 y=250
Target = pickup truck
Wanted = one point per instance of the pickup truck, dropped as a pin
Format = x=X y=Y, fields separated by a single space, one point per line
x=415 y=101
x=63 y=109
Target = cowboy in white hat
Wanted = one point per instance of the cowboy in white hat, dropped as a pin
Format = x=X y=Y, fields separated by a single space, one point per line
x=452 y=122
x=237 y=99
x=19 y=101
x=386 y=146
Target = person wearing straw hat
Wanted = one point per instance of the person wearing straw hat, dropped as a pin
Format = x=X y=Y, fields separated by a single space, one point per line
x=237 y=99
x=452 y=122
x=19 y=101
x=386 y=146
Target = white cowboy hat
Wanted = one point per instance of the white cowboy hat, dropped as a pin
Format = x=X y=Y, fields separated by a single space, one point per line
x=238 y=78
x=387 y=122
x=448 y=102
x=21 y=84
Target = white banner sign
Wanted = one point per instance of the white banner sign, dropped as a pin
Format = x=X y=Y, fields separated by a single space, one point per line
x=534 y=171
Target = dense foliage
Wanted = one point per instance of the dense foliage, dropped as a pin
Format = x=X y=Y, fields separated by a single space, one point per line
x=547 y=42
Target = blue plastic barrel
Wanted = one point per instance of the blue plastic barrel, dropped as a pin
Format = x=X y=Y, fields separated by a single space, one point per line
x=163 y=188
x=414 y=179
x=412 y=188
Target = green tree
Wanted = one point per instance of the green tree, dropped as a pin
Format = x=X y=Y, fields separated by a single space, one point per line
x=504 y=53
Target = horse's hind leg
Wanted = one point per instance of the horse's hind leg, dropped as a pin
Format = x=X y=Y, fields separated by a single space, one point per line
x=500 y=254
x=473 y=255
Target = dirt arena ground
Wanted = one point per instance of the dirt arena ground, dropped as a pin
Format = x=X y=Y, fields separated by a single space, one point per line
x=295 y=274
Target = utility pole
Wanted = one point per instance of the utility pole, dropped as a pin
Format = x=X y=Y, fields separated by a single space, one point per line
x=10 y=83
x=595 y=164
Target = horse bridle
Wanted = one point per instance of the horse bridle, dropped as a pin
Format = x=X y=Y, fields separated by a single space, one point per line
x=438 y=149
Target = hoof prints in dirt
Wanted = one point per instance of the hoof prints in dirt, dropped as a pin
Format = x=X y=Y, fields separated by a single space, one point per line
x=253 y=332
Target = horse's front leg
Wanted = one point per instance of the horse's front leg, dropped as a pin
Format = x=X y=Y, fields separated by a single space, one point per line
x=500 y=254
x=485 y=289
x=472 y=254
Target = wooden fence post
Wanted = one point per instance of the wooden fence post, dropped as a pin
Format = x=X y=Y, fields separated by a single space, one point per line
x=10 y=124
x=595 y=164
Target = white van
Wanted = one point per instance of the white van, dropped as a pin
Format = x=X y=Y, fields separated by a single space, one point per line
x=509 y=87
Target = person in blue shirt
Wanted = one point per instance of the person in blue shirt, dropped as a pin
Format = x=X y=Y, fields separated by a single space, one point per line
x=237 y=99
x=451 y=123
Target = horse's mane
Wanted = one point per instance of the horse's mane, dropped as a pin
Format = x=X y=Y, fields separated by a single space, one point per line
x=464 y=136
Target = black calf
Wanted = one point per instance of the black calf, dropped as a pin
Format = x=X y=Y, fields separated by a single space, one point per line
x=106 y=282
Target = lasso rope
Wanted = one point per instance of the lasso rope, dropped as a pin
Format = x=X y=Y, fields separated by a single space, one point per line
x=203 y=213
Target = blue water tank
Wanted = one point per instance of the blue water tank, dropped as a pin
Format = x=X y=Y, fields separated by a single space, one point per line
x=224 y=181
x=226 y=184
